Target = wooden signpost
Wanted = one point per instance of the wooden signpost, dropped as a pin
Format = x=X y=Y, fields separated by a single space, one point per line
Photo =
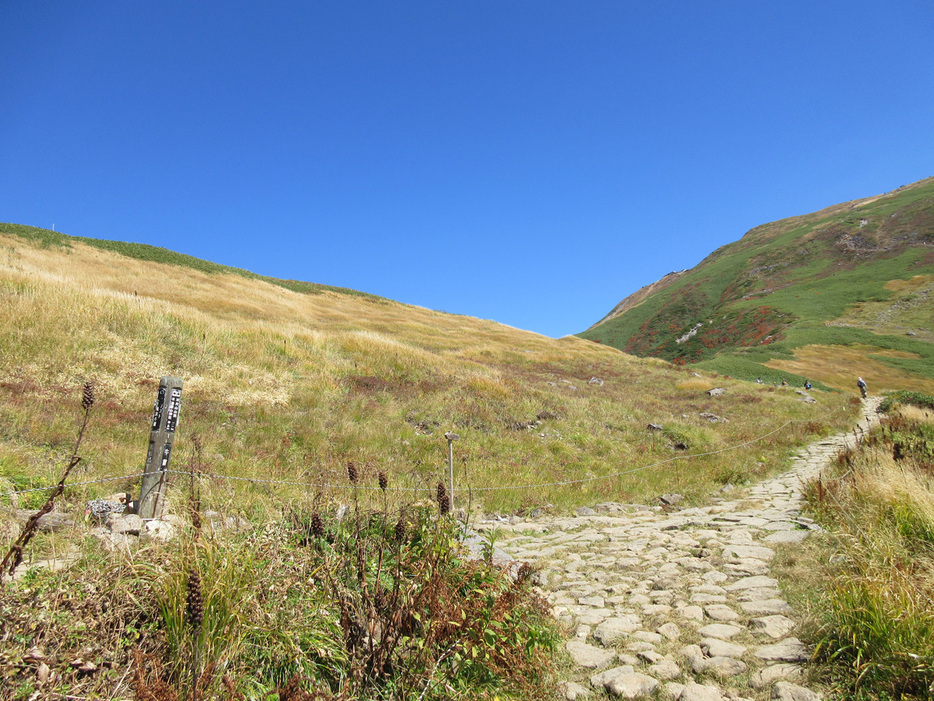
x=164 y=423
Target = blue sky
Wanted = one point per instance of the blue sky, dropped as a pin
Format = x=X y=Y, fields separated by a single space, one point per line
x=528 y=162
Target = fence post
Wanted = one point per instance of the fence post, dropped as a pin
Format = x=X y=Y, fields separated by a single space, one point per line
x=164 y=422
x=451 y=438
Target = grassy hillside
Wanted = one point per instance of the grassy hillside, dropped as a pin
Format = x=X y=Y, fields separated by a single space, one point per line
x=289 y=385
x=827 y=296
x=289 y=388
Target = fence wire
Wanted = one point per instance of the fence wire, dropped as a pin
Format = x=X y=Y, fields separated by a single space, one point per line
x=326 y=485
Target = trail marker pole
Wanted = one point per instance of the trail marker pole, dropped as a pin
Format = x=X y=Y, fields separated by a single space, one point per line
x=164 y=422
x=451 y=438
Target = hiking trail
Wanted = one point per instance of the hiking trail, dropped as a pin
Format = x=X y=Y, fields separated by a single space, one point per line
x=680 y=604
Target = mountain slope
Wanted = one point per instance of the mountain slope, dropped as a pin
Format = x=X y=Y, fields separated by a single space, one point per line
x=828 y=295
x=290 y=385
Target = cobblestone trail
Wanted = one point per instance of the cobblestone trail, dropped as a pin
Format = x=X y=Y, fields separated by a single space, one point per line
x=679 y=605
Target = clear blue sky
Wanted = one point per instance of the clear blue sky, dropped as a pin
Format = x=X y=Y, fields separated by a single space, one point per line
x=529 y=162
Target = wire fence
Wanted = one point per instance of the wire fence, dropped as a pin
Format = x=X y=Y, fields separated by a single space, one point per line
x=515 y=487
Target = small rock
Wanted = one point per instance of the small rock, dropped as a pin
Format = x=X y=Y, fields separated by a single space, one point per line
x=650 y=656
x=595 y=381
x=774 y=626
x=648 y=637
x=585 y=511
x=50 y=522
x=612 y=629
x=723 y=667
x=700 y=692
x=788 y=650
x=691 y=613
x=714 y=647
x=713 y=418
x=127 y=524
x=723 y=631
x=573 y=691
x=776 y=672
x=786 y=691
x=665 y=669
x=671 y=499
x=655 y=427
x=632 y=686
x=759 y=582
x=669 y=630
x=766 y=607
x=672 y=691
x=588 y=656
x=721 y=612
x=716 y=392
x=599 y=681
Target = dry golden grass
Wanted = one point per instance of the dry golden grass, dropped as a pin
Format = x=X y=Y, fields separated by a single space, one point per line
x=839 y=366
x=289 y=386
x=697 y=383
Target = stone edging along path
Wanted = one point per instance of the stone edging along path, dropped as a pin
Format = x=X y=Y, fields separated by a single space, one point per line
x=679 y=605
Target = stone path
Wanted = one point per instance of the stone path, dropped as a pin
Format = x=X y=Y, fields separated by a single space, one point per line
x=679 y=605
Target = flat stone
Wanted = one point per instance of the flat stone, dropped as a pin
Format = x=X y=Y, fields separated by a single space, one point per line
x=617 y=627
x=700 y=692
x=723 y=631
x=774 y=626
x=672 y=691
x=592 y=617
x=632 y=686
x=691 y=613
x=573 y=691
x=758 y=582
x=787 y=536
x=721 y=612
x=650 y=656
x=126 y=524
x=767 y=676
x=669 y=630
x=593 y=601
x=656 y=610
x=746 y=552
x=714 y=647
x=665 y=669
x=786 y=691
x=747 y=567
x=723 y=667
x=703 y=598
x=788 y=650
x=599 y=681
x=648 y=637
x=588 y=656
x=766 y=607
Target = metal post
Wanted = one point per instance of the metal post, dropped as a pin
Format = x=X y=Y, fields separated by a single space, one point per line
x=451 y=438
x=164 y=422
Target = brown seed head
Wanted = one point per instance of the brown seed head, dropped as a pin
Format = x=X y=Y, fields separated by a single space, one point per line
x=194 y=611
x=444 y=501
x=317 y=525
x=87 y=398
x=383 y=480
x=352 y=472
x=400 y=529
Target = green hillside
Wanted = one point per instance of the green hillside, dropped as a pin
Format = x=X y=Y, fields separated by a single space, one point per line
x=828 y=295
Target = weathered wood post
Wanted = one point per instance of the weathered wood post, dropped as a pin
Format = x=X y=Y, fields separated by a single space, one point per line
x=164 y=422
x=451 y=438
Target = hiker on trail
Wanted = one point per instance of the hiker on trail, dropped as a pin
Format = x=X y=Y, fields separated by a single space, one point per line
x=861 y=383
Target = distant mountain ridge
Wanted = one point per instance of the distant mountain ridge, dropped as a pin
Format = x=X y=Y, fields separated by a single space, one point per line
x=787 y=296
